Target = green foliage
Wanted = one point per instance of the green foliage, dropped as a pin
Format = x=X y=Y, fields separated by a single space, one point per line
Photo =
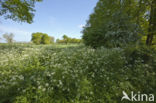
x=45 y=39
x=42 y=38
x=18 y=10
x=116 y=23
x=67 y=40
x=146 y=54
x=111 y=25
x=152 y=23
x=75 y=74
x=36 y=38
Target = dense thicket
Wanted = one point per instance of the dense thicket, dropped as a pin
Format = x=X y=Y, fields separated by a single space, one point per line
x=116 y=23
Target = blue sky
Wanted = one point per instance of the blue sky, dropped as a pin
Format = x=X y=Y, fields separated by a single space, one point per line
x=54 y=17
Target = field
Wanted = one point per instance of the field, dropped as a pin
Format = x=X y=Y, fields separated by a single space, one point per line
x=73 y=73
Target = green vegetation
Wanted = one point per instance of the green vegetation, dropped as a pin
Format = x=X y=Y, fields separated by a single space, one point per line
x=115 y=59
x=68 y=40
x=42 y=38
x=118 y=23
x=74 y=74
x=18 y=10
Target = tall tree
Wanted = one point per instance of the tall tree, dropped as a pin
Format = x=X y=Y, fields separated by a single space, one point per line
x=119 y=22
x=18 y=10
x=66 y=38
x=112 y=24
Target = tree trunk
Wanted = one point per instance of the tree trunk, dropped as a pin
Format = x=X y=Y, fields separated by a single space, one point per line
x=152 y=24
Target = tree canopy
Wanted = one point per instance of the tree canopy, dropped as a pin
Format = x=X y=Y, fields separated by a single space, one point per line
x=116 y=23
x=42 y=38
x=18 y=10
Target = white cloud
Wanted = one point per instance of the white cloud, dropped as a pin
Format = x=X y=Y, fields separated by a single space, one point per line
x=13 y=30
x=81 y=26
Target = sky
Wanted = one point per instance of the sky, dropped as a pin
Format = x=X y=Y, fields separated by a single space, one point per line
x=54 y=17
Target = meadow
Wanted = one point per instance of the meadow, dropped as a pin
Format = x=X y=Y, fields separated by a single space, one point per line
x=74 y=73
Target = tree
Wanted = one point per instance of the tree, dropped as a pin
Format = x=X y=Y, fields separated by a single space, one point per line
x=18 y=10
x=36 y=38
x=116 y=23
x=111 y=25
x=52 y=39
x=8 y=37
x=66 y=38
x=152 y=23
x=45 y=39
x=41 y=38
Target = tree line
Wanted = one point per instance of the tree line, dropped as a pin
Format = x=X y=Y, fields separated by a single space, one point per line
x=43 y=38
x=67 y=40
